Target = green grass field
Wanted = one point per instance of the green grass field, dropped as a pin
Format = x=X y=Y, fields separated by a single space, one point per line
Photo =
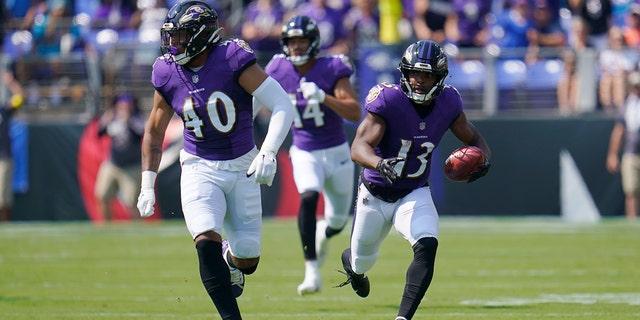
x=487 y=268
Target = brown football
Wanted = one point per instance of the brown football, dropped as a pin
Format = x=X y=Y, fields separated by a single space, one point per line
x=462 y=162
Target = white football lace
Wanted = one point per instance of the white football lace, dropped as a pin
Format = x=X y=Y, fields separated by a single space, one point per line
x=236 y=277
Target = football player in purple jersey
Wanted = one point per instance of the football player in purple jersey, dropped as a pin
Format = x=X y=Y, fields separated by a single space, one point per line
x=319 y=88
x=210 y=84
x=394 y=143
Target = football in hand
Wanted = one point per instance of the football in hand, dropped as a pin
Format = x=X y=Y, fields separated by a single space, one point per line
x=462 y=162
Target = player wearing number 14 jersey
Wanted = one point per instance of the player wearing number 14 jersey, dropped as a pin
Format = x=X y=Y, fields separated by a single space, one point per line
x=210 y=84
x=319 y=88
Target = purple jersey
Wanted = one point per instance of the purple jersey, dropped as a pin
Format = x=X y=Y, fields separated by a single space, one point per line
x=408 y=135
x=216 y=110
x=315 y=126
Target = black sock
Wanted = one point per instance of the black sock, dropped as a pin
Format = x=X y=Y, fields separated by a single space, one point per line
x=419 y=275
x=214 y=273
x=307 y=223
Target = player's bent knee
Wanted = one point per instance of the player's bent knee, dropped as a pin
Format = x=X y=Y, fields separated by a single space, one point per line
x=338 y=222
x=250 y=269
x=309 y=197
x=246 y=249
x=362 y=264
x=426 y=247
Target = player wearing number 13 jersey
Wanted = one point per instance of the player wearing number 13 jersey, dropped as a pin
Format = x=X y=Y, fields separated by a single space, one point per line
x=319 y=88
x=394 y=143
x=210 y=84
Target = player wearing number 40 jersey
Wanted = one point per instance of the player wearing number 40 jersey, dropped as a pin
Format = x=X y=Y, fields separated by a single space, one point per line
x=322 y=94
x=210 y=84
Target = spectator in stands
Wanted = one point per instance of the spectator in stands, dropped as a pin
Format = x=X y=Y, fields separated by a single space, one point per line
x=329 y=21
x=6 y=154
x=145 y=20
x=568 y=84
x=625 y=139
x=290 y=5
x=597 y=16
x=120 y=173
x=362 y=24
x=36 y=7
x=17 y=9
x=577 y=87
x=52 y=22
x=615 y=62
x=341 y=6
x=86 y=7
x=114 y=14
x=631 y=29
x=620 y=10
x=513 y=24
x=429 y=19
x=546 y=31
x=466 y=25
x=262 y=28
x=54 y=36
x=578 y=37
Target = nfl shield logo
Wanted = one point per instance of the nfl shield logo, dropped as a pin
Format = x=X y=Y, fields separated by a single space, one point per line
x=422 y=125
x=195 y=78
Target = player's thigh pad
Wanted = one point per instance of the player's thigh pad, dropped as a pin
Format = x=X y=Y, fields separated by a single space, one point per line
x=416 y=216
x=339 y=185
x=307 y=170
x=204 y=204
x=243 y=223
x=370 y=226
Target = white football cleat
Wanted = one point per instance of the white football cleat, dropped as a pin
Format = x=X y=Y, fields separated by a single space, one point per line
x=322 y=242
x=312 y=281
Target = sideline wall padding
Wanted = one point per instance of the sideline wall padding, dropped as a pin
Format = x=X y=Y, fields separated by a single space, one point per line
x=524 y=178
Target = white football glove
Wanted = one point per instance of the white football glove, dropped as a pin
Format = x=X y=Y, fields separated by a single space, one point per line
x=264 y=167
x=310 y=90
x=147 y=197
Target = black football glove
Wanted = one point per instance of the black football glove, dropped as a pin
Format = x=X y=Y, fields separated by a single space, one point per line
x=481 y=172
x=385 y=167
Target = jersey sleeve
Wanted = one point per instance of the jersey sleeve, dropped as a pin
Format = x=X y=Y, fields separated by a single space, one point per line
x=272 y=65
x=377 y=97
x=342 y=66
x=239 y=54
x=160 y=72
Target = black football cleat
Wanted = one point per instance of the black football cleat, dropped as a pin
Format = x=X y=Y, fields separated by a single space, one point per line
x=359 y=282
x=237 y=277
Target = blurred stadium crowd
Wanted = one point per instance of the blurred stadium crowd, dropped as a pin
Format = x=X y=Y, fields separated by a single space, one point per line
x=566 y=57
